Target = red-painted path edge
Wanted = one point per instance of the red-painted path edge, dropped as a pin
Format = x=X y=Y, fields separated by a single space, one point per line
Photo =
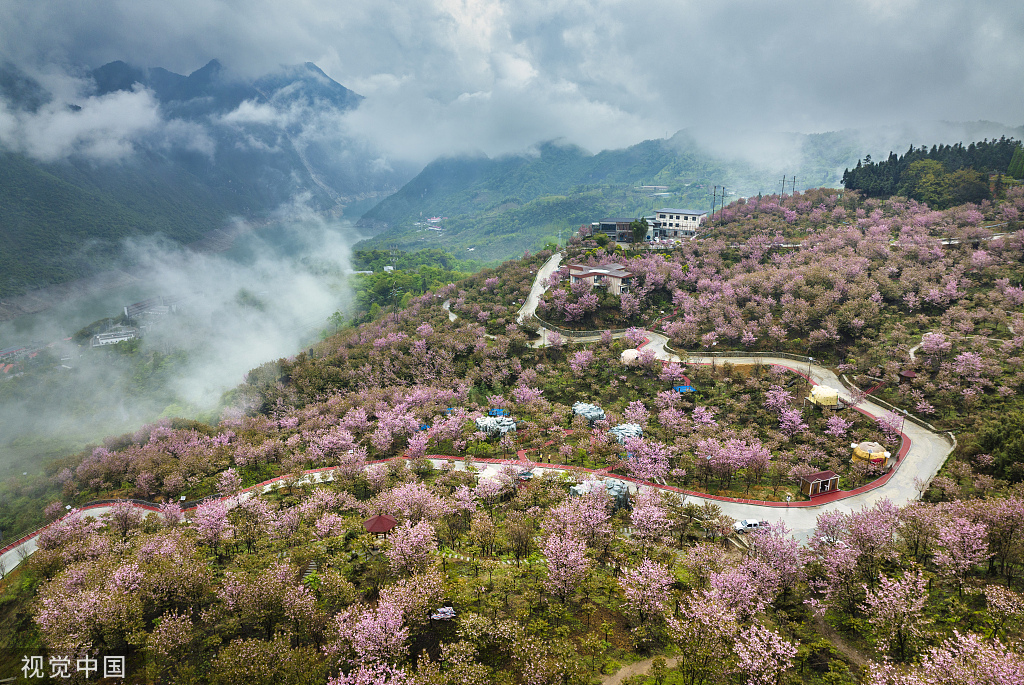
x=818 y=500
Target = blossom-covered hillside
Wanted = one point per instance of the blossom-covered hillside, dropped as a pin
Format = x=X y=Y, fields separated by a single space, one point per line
x=452 y=418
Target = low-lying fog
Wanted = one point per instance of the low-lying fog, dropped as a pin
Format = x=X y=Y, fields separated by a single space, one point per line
x=264 y=298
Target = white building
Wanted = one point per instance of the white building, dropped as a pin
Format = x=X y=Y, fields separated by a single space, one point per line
x=677 y=223
x=114 y=336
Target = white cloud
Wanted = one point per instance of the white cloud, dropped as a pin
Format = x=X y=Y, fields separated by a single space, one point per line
x=104 y=127
x=497 y=75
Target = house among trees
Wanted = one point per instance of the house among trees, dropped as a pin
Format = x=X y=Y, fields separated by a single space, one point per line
x=618 y=229
x=819 y=483
x=614 y=277
x=666 y=223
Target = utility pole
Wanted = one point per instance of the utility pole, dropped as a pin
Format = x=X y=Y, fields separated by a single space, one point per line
x=794 y=186
x=783 y=187
x=723 y=203
x=714 y=196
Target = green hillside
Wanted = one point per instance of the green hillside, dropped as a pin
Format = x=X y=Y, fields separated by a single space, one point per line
x=61 y=221
x=500 y=207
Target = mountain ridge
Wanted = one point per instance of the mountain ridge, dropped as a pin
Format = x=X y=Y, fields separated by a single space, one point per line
x=64 y=219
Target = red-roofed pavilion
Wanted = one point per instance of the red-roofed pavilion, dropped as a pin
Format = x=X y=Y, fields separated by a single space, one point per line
x=380 y=524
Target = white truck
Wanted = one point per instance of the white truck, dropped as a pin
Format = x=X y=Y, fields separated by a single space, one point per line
x=748 y=525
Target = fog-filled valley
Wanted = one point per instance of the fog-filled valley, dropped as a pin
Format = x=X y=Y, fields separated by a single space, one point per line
x=265 y=297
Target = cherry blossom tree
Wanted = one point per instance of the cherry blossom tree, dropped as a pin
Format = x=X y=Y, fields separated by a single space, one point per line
x=229 y=482
x=648 y=459
x=371 y=674
x=370 y=636
x=963 y=545
x=646 y=590
x=636 y=413
x=171 y=514
x=777 y=399
x=763 y=656
x=896 y=610
x=964 y=659
x=837 y=426
x=779 y=550
x=1003 y=606
x=649 y=519
x=122 y=518
x=568 y=564
x=791 y=422
x=210 y=520
x=411 y=546
x=705 y=635
x=585 y=517
x=580 y=361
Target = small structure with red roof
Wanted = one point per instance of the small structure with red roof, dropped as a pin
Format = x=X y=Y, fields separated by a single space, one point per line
x=819 y=483
x=380 y=525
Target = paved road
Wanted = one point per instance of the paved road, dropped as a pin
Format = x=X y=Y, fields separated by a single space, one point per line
x=927 y=453
x=539 y=286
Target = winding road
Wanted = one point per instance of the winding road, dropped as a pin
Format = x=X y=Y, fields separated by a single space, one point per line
x=921 y=455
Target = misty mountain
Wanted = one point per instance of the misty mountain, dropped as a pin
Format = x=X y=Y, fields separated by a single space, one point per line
x=204 y=148
x=212 y=89
x=503 y=206
x=500 y=207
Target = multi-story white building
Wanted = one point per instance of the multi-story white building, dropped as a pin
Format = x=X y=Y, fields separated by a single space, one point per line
x=677 y=223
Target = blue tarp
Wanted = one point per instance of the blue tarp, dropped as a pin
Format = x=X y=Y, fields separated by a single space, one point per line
x=684 y=388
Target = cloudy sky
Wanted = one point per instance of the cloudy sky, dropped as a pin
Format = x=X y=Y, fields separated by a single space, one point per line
x=451 y=75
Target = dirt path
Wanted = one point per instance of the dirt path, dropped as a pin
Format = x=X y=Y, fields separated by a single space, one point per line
x=634 y=669
x=842 y=645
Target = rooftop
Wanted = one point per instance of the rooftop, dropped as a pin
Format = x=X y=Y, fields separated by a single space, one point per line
x=820 y=475
x=669 y=210
x=613 y=270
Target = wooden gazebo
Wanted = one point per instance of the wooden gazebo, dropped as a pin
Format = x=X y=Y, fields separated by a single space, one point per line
x=380 y=525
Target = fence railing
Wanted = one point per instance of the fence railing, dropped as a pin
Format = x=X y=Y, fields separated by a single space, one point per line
x=902 y=412
x=577 y=334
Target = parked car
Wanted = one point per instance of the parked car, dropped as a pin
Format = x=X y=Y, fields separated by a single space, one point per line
x=747 y=525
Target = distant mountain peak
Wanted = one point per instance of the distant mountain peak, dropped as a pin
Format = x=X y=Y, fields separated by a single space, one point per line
x=212 y=88
x=208 y=72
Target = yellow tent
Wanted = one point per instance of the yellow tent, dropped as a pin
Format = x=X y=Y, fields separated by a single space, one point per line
x=869 y=451
x=824 y=396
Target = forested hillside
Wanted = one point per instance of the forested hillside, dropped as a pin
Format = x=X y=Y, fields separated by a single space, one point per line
x=942 y=176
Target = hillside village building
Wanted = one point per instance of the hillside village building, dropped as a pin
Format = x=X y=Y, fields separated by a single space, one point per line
x=677 y=223
x=617 y=229
x=614 y=277
x=667 y=223
x=114 y=335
